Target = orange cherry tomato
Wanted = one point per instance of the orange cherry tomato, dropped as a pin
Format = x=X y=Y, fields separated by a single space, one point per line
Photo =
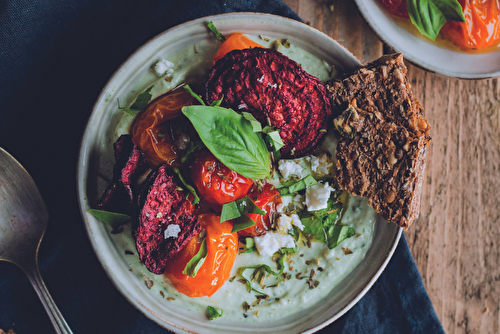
x=216 y=183
x=267 y=200
x=222 y=248
x=159 y=131
x=236 y=41
x=482 y=26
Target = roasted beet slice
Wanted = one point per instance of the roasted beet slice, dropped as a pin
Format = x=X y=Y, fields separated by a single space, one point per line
x=276 y=90
x=120 y=195
x=166 y=220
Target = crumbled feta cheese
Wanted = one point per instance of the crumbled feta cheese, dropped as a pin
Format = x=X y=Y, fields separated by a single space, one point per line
x=289 y=168
x=321 y=165
x=297 y=222
x=317 y=196
x=172 y=231
x=271 y=242
x=242 y=106
x=164 y=67
x=261 y=78
x=284 y=223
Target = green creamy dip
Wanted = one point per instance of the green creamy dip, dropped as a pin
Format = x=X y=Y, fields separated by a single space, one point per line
x=309 y=264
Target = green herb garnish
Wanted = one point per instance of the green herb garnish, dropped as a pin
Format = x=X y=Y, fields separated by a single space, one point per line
x=197 y=261
x=238 y=210
x=190 y=188
x=220 y=37
x=230 y=137
x=212 y=313
x=139 y=104
x=294 y=187
x=113 y=219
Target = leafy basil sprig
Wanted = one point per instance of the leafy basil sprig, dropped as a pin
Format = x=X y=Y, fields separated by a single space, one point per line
x=230 y=137
x=430 y=15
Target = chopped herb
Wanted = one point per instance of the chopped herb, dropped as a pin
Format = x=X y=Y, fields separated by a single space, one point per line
x=170 y=298
x=347 y=251
x=193 y=94
x=212 y=313
x=238 y=211
x=249 y=246
x=295 y=187
x=245 y=306
x=190 y=188
x=197 y=261
x=162 y=294
x=149 y=281
x=220 y=37
x=139 y=104
x=113 y=219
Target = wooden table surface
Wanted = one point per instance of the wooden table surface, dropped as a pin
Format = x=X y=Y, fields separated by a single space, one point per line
x=455 y=242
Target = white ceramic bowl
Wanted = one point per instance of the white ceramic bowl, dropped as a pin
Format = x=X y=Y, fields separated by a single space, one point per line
x=96 y=160
x=424 y=52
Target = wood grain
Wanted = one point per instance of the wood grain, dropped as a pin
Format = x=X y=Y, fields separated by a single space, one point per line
x=455 y=242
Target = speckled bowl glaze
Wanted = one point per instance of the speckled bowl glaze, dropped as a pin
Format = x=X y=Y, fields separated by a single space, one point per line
x=97 y=145
x=426 y=53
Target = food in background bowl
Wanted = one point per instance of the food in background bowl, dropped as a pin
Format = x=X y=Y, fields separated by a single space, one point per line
x=470 y=25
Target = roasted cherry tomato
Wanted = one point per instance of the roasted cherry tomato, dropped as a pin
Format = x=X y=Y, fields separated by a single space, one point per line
x=216 y=183
x=222 y=248
x=267 y=200
x=396 y=7
x=236 y=41
x=161 y=131
x=481 y=28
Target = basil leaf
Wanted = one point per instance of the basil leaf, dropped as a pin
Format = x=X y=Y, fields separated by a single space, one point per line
x=242 y=223
x=430 y=15
x=139 y=104
x=239 y=208
x=193 y=94
x=231 y=139
x=212 y=313
x=220 y=37
x=337 y=234
x=190 y=188
x=295 y=187
x=314 y=227
x=197 y=261
x=198 y=145
x=273 y=139
x=256 y=126
x=113 y=219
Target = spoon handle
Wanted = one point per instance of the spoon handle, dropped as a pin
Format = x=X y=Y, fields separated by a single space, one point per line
x=55 y=315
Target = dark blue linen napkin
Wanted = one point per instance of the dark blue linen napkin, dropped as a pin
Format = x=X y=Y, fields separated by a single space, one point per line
x=55 y=57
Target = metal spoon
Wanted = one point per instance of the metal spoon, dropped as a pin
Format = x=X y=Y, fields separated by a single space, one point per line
x=23 y=218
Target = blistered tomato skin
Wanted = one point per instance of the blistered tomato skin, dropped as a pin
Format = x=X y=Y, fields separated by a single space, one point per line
x=161 y=131
x=267 y=200
x=222 y=248
x=216 y=183
x=236 y=41
x=481 y=29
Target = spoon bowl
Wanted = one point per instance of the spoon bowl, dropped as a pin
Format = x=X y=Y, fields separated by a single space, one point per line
x=23 y=219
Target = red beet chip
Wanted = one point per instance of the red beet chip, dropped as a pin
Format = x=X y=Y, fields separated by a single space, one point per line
x=166 y=220
x=120 y=195
x=275 y=90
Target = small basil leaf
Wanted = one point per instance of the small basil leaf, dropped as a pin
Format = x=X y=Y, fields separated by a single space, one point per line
x=242 y=223
x=292 y=188
x=239 y=208
x=193 y=94
x=190 y=188
x=274 y=140
x=220 y=37
x=113 y=219
x=430 y=15
x=197 y=261
x=212 y=313
x=337 y=234
x=256 y=126
x=231 y=139
x=139 y=104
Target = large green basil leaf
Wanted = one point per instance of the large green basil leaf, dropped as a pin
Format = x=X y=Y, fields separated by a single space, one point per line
x=430 y=15
x=230 y=137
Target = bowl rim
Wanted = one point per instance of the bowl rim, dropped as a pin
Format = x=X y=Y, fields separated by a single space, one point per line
x=82 y=172
x=366 y=9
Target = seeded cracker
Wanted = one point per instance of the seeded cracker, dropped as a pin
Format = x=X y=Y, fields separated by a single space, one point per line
x=383 y=138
